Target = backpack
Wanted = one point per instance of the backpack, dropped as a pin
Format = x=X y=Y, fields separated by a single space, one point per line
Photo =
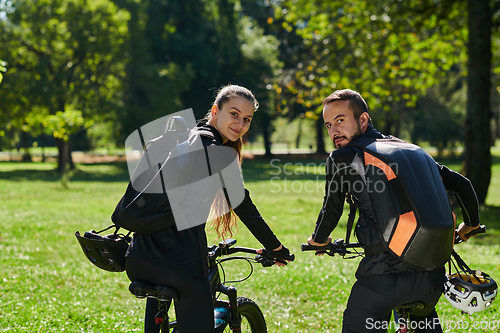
x=145 y=208
x=411 y=206
x=176 y=181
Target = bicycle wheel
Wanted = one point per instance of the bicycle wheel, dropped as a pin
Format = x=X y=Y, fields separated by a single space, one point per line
x=252 y=319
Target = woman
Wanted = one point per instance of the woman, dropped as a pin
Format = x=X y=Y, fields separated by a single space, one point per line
x=179 y=258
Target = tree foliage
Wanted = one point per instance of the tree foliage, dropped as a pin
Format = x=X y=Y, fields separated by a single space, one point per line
x=128 y=62
x=2 y=69
x=62 y=124
x=393 y=52
x=359 y=45
x=62 y=55
x=183 y=51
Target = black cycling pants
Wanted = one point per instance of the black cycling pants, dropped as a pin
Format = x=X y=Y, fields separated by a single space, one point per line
x=194 y=311
x=373 y=298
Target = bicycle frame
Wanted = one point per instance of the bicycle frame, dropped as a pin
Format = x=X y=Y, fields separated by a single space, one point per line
x=339 y=247
x=234 y=318
x=226 y=312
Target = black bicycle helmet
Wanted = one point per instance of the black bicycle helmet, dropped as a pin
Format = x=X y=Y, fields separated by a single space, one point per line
x=106 y=252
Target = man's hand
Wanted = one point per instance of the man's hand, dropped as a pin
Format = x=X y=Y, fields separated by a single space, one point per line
x=312 y=242
x=464 y=229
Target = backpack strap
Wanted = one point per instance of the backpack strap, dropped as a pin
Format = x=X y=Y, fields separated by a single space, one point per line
x=358 y=145
x=353 y=205
x=369 y=250
x=352 y=214
x=375 y=249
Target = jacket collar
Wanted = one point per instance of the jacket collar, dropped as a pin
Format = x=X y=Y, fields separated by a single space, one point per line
x=370 y=133
x=208 y=131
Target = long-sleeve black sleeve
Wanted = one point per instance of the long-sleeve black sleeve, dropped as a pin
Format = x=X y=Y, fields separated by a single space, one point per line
x=250 y=216
x=333 y=204
x=220 y=160
x=464 y=193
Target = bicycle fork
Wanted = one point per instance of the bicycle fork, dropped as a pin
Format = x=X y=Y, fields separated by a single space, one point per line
x=234 y=318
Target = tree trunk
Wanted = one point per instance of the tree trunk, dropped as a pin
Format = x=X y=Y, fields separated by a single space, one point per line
x=64 y=159
x=299 y=132
x=320 y=142
x=477 y=164
x=26 y=153
x=266 y=134
x=42 y=141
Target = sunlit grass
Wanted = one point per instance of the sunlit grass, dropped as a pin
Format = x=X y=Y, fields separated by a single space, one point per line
x=47 y=285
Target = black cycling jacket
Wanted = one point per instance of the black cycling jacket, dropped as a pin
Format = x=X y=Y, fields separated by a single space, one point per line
x=186 y=250
x=342 y=177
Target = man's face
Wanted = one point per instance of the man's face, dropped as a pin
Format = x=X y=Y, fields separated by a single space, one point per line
x=340 y=122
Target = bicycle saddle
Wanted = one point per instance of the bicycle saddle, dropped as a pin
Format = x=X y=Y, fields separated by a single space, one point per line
x=142 y=289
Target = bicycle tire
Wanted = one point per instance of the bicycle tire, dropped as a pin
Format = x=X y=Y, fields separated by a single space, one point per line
x=252 y=319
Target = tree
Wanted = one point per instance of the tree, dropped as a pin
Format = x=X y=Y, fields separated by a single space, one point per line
x=393 y=51
x=152 y=84
x=358 y=44
x=182 y=51
x=62 y=55
x=477 y=164
x=480 y=17
x=61 y=125
x=439 y=116
x=293 y=50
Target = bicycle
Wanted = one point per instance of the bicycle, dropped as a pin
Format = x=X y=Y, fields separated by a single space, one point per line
x=237 y=314
x=402 y=313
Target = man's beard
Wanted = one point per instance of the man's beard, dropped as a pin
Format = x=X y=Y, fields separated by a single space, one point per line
x=354 y=136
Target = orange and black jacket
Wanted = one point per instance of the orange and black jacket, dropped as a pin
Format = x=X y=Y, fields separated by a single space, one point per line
x=343 y=178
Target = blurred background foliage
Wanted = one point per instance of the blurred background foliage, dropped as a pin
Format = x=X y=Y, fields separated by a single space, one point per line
x=428 y=69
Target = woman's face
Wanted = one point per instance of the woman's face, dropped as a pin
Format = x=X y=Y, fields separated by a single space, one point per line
x=233 y=119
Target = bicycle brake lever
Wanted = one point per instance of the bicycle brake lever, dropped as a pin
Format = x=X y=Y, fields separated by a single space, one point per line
x=265 y=261
x=275 y=255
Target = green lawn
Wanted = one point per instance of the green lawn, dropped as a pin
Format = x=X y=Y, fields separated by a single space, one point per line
x=47 y=285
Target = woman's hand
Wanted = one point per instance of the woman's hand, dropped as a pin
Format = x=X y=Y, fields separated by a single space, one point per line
x=280 y=248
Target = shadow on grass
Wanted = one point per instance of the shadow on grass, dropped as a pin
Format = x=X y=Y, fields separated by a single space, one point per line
x=254 y=170
x=97 y=172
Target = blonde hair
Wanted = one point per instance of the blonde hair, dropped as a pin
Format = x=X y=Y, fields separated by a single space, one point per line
x=224 y=224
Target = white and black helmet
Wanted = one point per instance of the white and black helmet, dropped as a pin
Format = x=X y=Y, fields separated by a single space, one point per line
x=470 y=291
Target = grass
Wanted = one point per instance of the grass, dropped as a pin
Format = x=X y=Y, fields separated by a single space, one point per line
x=47 y=285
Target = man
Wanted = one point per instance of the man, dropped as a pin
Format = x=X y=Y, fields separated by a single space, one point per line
x=383 y=280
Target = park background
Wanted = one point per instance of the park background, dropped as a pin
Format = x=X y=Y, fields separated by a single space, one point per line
x=77 y=77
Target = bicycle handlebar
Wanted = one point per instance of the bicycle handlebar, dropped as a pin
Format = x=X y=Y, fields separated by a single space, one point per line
x=480 y=230
x=265 y=258
x=339 y=247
